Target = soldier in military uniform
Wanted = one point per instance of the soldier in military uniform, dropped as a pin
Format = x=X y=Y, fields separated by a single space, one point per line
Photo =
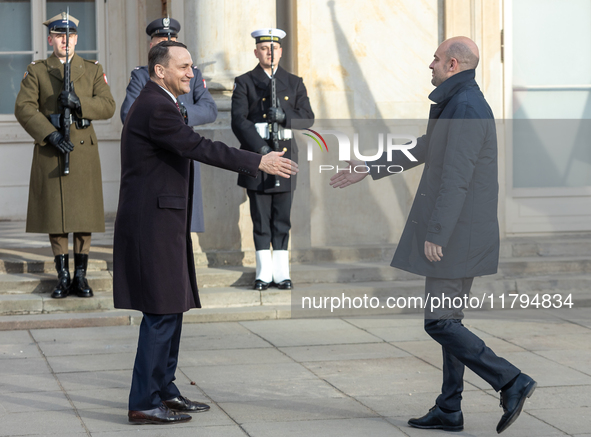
x=198 y=106
x=252 y=111
x=58 y=203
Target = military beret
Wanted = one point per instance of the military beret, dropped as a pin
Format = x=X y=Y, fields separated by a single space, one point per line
x=59 y=24
x=268 y=34
x=164 y=27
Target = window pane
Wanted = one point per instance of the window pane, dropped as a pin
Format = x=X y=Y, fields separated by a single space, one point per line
x=547 y=30
x=83 y=10
x=558 y=104
x=91 y=56
x=551 y=101
x=16 y=16
x=551 y=153
x=12 y=69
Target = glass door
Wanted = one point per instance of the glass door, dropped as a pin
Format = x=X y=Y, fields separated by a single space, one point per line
x=549 y=104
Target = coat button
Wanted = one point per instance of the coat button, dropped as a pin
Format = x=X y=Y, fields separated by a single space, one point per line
x=81 y=141
x=437 y=227
x=264 y=115
x=286 y=98
x=264 y=99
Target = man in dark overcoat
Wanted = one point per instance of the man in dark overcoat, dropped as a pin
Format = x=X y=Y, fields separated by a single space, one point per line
x=154 y=270
x=198 y=104
x=452 y=232
x=252 y=111
x=61 y=204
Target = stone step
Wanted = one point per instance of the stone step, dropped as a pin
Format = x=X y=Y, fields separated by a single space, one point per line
x=121 y=317
x=570 y=246
x=304 y=274
x=557 y=245
x=343 y=272
x=27 y=283
x=531 y=248
x=42 y=264
x=240 y=298
x=536 y=265
x=332 y=273
x=374 y=253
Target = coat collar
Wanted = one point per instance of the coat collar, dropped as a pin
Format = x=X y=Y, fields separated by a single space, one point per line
x=453 y=85
x=56 y=68
x=155 y=87
x=261 y=80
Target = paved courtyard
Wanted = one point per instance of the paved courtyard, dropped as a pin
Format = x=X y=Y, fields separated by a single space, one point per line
x=341 y=377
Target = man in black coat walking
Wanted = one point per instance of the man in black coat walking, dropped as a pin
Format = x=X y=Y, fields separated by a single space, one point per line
x=154 y=270
x=252 y=111
x=452 y=232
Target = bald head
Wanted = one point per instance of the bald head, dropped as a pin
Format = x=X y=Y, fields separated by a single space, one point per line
x=453 y=56
x=464 y=50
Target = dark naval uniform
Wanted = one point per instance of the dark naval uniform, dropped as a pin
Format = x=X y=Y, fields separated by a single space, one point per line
x=201 y=109
x=251 y=100
x=270 y=203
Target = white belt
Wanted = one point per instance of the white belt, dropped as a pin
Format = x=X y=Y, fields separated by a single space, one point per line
x=263 y=130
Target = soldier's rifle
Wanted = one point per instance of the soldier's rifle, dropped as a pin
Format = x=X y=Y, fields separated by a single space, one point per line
x=67 y=112
x=273 y=125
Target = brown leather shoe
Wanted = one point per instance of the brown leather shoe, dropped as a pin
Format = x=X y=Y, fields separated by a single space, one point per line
x=158 y=416
x=181 y=403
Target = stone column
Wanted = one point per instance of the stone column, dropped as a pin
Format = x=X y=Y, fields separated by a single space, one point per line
x=218 y=36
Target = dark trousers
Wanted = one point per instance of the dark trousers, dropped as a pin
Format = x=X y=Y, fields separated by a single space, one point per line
x=271 y=221
x=156 y=361
x=460 y=346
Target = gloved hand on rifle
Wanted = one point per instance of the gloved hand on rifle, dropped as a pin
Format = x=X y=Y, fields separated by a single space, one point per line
x=276 y=115
x=69 y=99
x=57 y=140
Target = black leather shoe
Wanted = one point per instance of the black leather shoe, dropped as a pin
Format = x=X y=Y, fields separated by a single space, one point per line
x=79 y=283
x=285 y=285
x=513 y=398
x=260 y=285
x=181 y=403
x=62 y=287
x=158 y=416
x=437 y=419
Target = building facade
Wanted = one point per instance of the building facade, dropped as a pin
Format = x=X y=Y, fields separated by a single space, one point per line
x=361 y=60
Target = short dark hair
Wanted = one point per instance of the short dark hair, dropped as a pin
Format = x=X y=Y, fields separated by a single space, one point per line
x=159 y=54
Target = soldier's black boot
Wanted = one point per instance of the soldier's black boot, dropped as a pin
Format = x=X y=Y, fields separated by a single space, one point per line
x=79 y=283
x=63 y=277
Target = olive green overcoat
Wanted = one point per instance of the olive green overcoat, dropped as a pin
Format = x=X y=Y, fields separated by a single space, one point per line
x=57 y=203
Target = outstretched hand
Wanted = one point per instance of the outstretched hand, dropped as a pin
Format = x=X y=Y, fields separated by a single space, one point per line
x=348 y=176
x=273 y=163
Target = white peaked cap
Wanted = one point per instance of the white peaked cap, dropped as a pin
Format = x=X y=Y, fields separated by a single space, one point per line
x=268 y=34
